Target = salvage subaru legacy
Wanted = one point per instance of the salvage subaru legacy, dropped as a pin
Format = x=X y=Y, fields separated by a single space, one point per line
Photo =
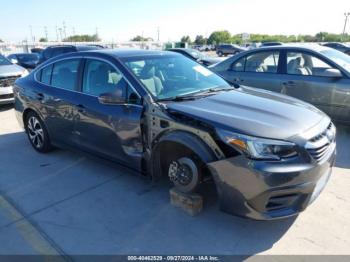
x=161 y=113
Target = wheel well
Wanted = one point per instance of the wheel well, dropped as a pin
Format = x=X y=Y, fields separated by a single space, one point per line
x=26 y=112
x=166 y=151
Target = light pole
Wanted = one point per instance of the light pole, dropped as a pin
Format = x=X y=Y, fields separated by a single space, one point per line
x=46 y=34
x=158 y=33
x=31 y=33
x=346 y=21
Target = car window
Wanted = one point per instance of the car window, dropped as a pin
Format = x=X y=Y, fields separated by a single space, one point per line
x=101 y=77
x=4 y=61
x=238 y=66
x=45 y=75
x=299 y=63
x=262 y=62
x=64 y=74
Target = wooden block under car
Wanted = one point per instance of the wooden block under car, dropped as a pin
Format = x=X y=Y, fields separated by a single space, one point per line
x=190 y=203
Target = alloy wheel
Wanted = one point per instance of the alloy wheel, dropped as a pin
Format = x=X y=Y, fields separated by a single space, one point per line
x=35 y=132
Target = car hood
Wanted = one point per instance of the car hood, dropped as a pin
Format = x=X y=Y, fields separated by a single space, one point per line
x=252 y=112
x=11 y=70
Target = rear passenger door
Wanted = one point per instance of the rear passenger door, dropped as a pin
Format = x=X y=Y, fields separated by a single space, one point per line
x=56 y=97
x=260 y=70
x=113 y=131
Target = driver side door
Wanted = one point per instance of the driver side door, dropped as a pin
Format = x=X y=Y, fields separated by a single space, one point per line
x=110 y=130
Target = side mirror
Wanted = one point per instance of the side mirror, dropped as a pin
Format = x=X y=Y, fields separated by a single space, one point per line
x=14 y=61
x=332 y=72
x=111 y=99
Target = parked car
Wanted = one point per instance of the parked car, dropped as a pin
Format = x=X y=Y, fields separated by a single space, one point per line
x=56 y=50
x=270 y=155
x=223 y=50
x=9 y=73
x=197 y=56
x=36 y=50
x=265 y=44
x=316 y=74
x=345 y=48
x=26 y=60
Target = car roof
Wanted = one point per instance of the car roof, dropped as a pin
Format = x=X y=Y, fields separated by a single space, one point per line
x=122 y=53
x=24 y=54
x=305 y=46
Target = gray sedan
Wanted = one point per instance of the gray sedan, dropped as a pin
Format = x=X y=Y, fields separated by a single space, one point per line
x=316 y=74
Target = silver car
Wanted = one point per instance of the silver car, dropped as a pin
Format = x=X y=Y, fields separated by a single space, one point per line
x=316 y=74
x=8 y=75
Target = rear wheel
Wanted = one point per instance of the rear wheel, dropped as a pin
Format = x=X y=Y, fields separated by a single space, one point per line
x=220 y=53
x=37 y=133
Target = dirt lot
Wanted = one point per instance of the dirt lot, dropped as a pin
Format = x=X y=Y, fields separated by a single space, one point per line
x=67 y=203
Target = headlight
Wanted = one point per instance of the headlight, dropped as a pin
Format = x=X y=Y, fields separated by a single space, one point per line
x=25 y=73
x=259 y=148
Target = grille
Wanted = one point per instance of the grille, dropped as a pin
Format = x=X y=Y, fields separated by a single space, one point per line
x=8 y=81
x=6 y=96
x=318 y=146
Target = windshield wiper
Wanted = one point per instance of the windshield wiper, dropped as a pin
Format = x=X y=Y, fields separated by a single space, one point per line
x=198 y=94
x=180 y=98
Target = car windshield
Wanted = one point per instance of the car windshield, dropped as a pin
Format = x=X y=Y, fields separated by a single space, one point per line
x=167 y=76
x=338 y=57
x=28 y=57
x=4 y=61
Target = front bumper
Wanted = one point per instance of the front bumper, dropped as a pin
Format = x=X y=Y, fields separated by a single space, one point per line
x=265 y=190
x=6 y=95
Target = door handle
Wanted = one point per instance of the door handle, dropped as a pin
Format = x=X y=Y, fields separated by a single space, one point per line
x=40 y=96
x=237 y=79
x=81 y=108
x=289 y=83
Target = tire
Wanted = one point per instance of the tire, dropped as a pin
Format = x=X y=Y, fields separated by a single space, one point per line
x=37 y=133
x=184 y=171
x=220 y=53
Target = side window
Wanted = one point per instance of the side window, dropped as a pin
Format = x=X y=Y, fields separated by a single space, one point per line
x=238 y=66
x=45 y=75
x=262 y=62
x=100 y=77
x=304 y=64
x=64 y=74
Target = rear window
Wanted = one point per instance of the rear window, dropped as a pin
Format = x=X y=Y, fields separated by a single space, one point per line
x=45 y=75
x=64 y=74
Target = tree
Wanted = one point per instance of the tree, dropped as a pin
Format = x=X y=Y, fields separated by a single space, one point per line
x=200 y=40
x=1 y=40
x=82 y=38
x=43 y=39
x=219 y=37
x=186 y=39
x=141 y=39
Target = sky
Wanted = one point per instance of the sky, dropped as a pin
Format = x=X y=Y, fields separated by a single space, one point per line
x=117 y=20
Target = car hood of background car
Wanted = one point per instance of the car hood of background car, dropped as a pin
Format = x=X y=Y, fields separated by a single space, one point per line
x=252 y=112
x=11 y=70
